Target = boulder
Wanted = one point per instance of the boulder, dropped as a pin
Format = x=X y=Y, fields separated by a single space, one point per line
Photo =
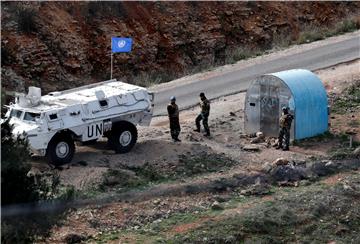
x=216 y=206
x=356 y=152
x=280 y=161
x=284 y=173
x=267 y=167
x=259 y=138
x=251 y=148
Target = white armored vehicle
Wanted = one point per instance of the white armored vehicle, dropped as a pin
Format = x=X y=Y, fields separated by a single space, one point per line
x=53 y=122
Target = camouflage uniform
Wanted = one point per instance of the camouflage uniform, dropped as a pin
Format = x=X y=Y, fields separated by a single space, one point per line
x=204 y=115
x=173 y=112
x=285 y=126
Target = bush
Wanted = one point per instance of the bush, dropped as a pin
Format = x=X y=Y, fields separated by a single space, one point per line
x=236 y=54
x=311 y=33
x=26 y=20
x=348 y=25
x=17 y=187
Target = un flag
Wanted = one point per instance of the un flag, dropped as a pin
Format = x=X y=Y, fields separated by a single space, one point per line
x=121 y=45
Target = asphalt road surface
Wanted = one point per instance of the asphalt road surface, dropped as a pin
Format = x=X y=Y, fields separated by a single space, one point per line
x=239 y=80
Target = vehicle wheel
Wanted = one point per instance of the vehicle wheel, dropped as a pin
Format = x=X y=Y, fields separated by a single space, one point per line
x=123 y=137
x=61 y=149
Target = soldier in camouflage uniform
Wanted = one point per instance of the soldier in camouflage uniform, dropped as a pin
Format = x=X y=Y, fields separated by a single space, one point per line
x=173 y=112
x=204 y=115
x=285 y=126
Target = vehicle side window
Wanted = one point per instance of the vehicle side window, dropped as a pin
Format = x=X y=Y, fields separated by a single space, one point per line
x=53 y=116
x=16 y=113
x=103 y=103
x=31 y=116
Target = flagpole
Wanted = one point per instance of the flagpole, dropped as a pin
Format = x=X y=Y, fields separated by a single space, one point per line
x=111 y=69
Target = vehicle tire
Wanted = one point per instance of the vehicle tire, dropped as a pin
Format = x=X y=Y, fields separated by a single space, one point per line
x=123 y=137
x=61 y=149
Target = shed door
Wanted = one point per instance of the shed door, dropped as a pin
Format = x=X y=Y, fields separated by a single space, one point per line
x=269 y=110
x=252 y=113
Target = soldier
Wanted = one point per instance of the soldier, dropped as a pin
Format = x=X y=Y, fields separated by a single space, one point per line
x=173 y=112
x=204 y=115
x=285 y=125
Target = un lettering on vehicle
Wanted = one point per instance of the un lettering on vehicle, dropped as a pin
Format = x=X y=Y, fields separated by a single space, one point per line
x=94 y=131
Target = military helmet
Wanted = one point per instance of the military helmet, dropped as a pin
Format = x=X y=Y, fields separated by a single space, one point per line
x=202 y=94
x=285 y=108
x=172 y=98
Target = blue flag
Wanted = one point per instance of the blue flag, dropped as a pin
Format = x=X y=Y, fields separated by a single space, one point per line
x=121 y=45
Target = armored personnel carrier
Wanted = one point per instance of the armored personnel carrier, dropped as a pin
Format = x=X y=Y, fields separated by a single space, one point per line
x=53 y=122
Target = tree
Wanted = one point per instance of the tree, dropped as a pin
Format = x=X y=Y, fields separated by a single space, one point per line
x=16 y=186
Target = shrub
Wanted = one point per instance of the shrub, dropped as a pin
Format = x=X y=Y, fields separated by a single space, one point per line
x=311 y=33
x=346 y=25
x=239 y=53
x=16 y=186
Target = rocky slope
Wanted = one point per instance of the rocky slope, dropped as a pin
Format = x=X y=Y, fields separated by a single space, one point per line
x=59 y=45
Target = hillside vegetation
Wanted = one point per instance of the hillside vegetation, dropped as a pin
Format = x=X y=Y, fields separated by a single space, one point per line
x=58 y=45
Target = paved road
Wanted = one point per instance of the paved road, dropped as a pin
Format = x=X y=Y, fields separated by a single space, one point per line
x=239 y=80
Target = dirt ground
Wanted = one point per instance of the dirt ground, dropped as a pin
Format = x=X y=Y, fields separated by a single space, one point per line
x=154 y=145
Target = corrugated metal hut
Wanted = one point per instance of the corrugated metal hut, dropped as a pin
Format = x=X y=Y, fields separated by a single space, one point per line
x=300 y=90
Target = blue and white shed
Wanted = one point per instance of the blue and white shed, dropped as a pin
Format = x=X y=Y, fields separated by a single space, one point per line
x=300 y=90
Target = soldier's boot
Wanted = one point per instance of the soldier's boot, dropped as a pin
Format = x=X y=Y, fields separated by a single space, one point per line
x=286 y=149
x=177 y=140
x=278 y=147
x=207 y=133
x=196 y=130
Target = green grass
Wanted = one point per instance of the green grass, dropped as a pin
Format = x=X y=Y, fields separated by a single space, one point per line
x=130 y=177
x=240 y=53
x=318 y=213
x=349 y=100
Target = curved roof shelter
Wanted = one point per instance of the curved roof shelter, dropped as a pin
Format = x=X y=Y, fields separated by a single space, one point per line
x=300 y=90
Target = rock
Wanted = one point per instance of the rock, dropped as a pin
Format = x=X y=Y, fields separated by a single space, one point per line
x=216 y=206
x=252 y=135
x=74 y=238
x=356 y=152
x=280 y=161
x=322 y=168
x=251 y=148
x=259 y=138
x=329 y=164
x=232 y=114
x=284 y=173
x=287 y=183
x=267 y=167
x=257 y=189
x=223 y=198
x=300 y=163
